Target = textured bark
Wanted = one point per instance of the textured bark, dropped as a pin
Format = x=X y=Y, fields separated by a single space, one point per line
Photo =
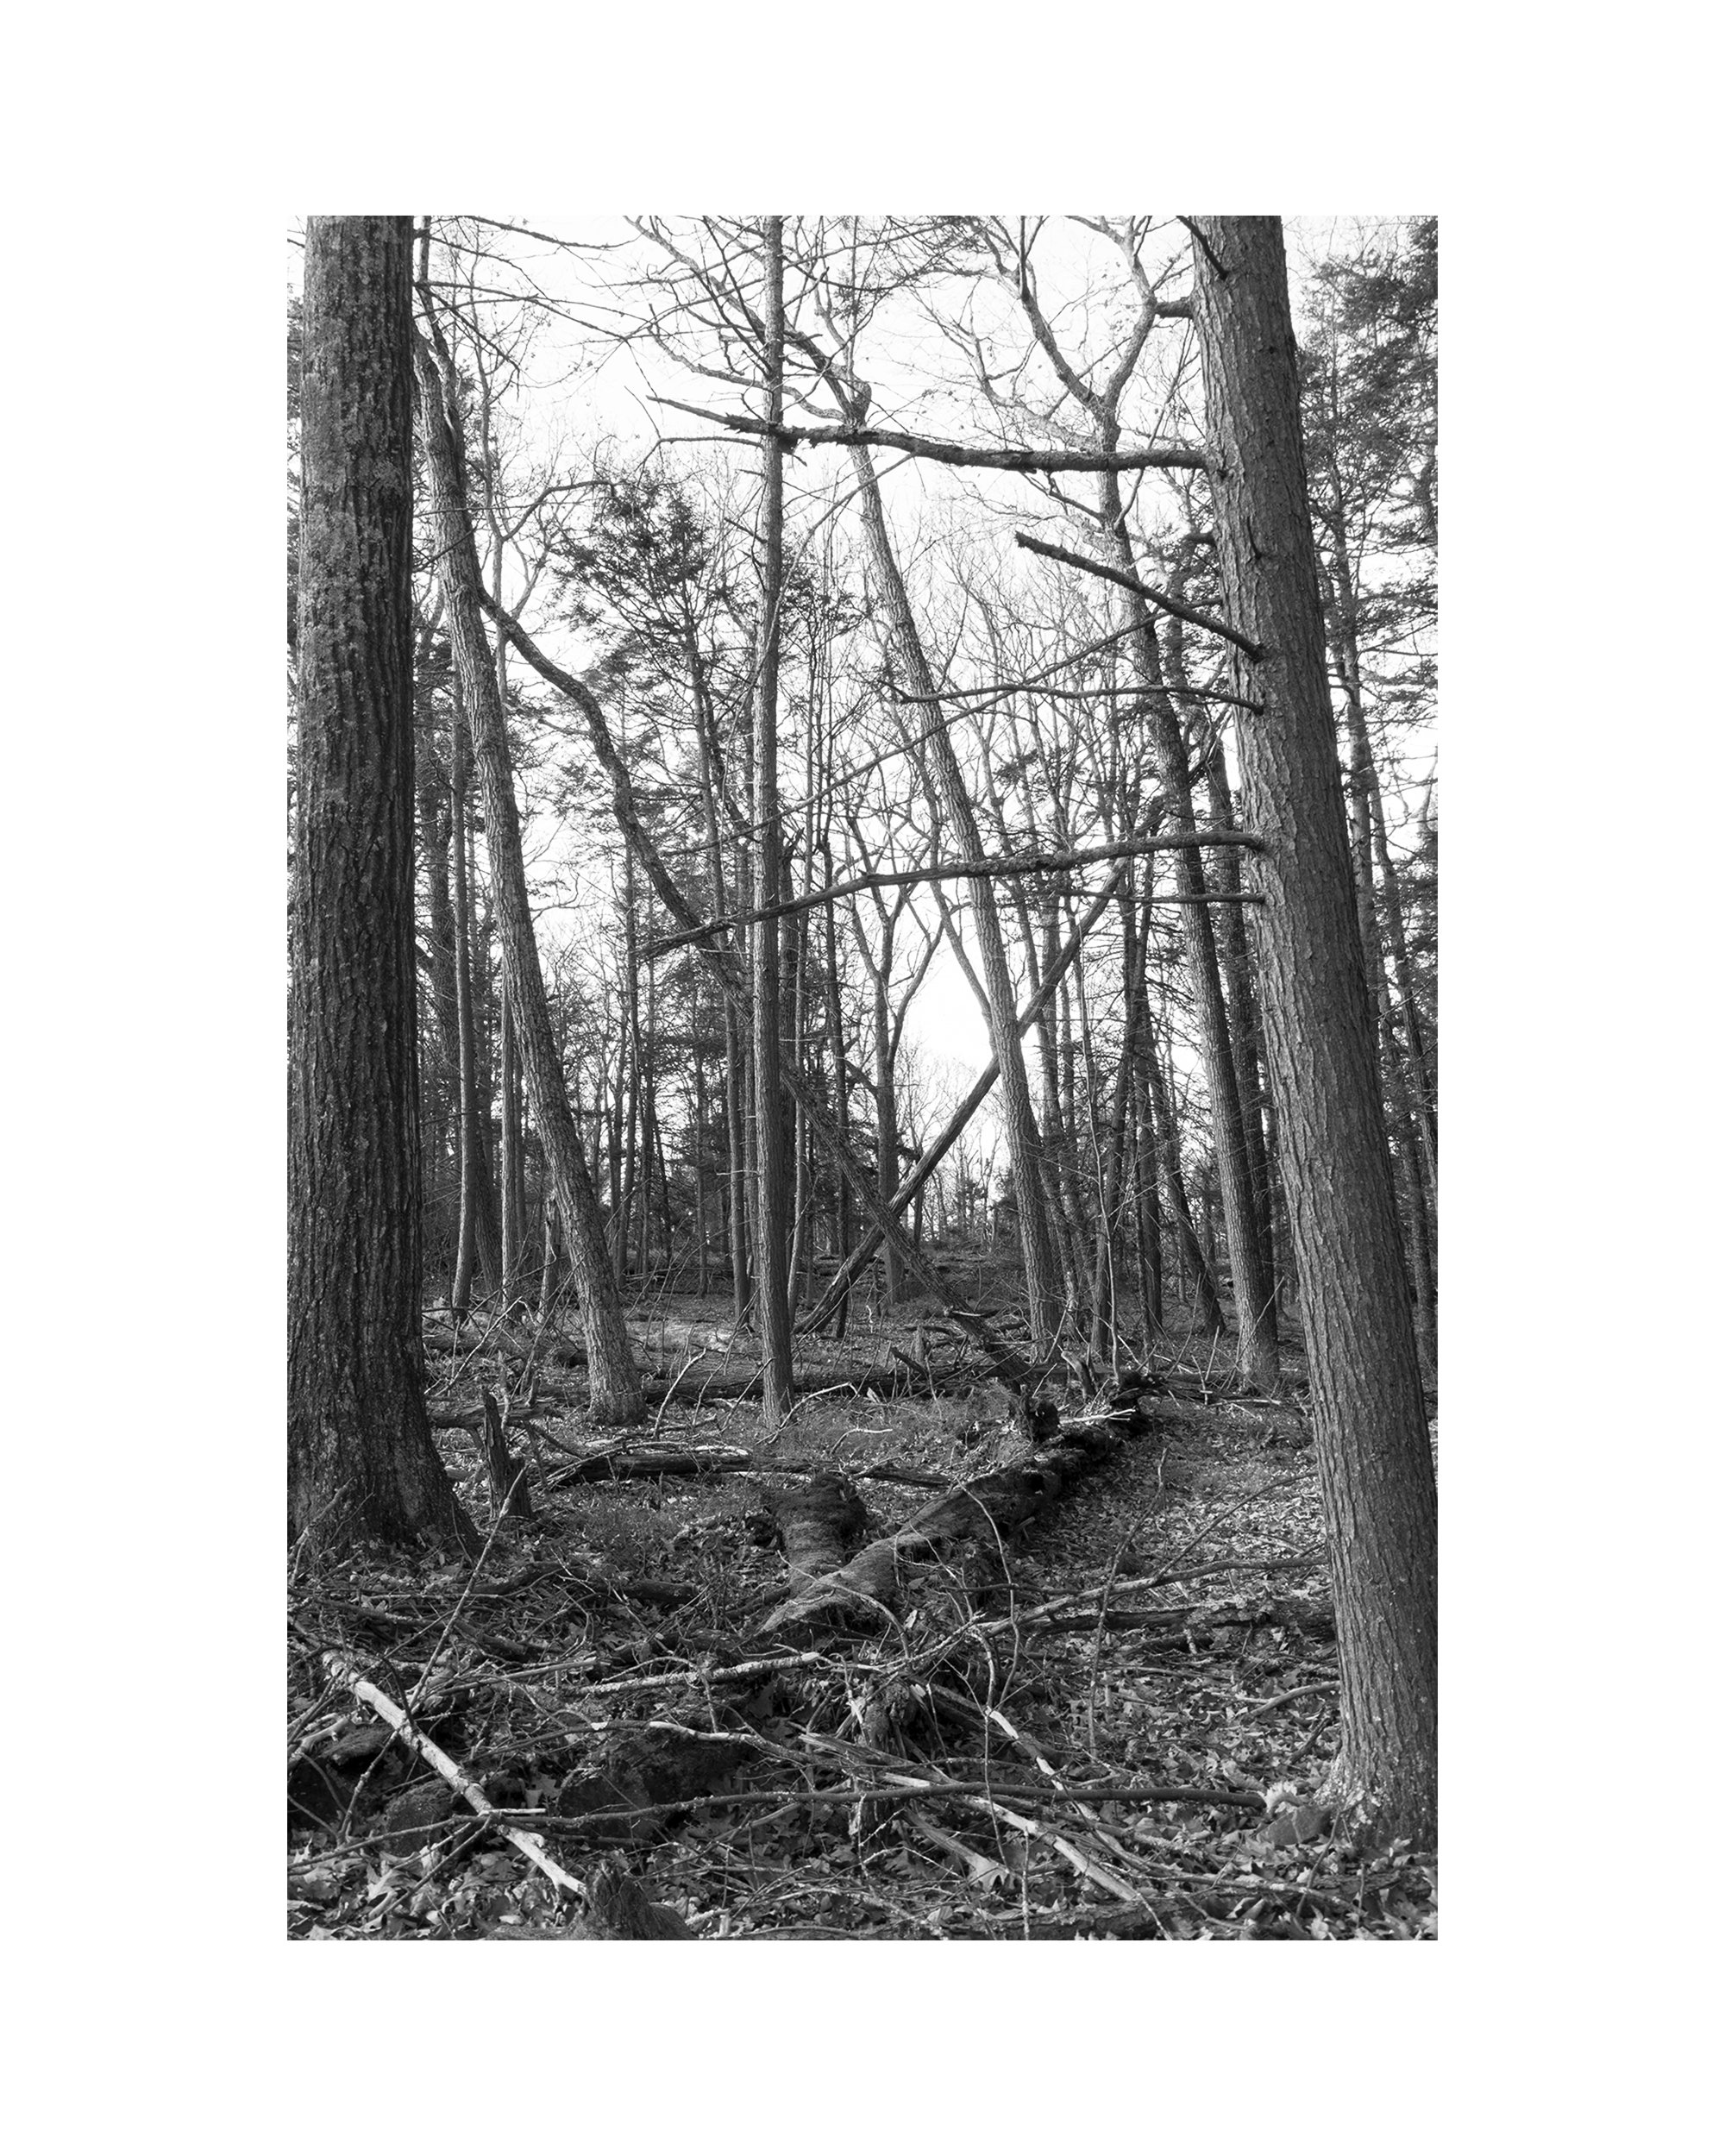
x=771 y=1203
x=440 y=1076
x=616 y=1394
x=361 y=1459
x=1374 y=1450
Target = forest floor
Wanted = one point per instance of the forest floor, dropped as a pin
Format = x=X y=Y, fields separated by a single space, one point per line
x=1113 y=1724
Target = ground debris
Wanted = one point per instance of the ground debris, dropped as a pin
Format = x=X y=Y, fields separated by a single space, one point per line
x=1107 y=1718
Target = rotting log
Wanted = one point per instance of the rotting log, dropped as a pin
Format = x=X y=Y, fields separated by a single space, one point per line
x=819 y=1524
x=984 y=1510
x=648 y=1463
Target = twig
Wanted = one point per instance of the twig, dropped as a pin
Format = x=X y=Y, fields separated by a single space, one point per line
x=1300 y=1691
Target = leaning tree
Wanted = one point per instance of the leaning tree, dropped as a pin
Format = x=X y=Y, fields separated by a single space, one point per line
x=361 y=1459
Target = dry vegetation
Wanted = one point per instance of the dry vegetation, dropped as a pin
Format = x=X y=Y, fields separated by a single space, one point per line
x=1109 y=1724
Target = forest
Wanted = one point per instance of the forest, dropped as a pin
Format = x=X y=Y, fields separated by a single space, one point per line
x=862 y=1145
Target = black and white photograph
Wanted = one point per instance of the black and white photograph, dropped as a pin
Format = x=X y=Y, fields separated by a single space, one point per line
x=863 y=1056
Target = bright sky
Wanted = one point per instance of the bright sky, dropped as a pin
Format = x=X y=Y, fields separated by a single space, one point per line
x=582 y=386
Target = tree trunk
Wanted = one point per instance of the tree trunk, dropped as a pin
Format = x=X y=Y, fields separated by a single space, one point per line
x=1244 y=1031
x=473 y=1241
x=839 y=1305
x=616 y=1384
x=361 y=1459
x=1254 y=1301
x=1103 y=1297
x=1208 y=1300
x=887 y=1116
x=771 y=1211
x=513 y=1176
x=1374 y=1450
x=547 y=1268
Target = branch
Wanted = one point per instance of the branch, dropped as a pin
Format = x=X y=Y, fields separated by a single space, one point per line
x=1172 y=457
x=900 y=1199
x=531 y=1846
x=1169 y=606
x=1000 y=690
x=954 y=871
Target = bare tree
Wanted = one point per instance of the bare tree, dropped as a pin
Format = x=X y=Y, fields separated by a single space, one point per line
x=772 y=1196
x=615 y=1384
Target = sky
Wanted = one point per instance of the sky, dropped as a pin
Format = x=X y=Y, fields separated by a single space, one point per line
x=581 y=382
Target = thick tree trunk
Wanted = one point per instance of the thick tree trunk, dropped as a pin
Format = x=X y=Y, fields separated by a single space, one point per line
x=361 y=1459
x=616 y=1384
x=1374 y=1450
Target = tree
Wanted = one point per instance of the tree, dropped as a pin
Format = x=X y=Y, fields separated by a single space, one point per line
x=361 y=1459
x=1374 y=1450
x=1240 y=1175
x=772 y=1195
x=614 y=1381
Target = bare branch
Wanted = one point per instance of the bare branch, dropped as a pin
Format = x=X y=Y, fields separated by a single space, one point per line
x=1171 y=605
x=957 y=871
x=1170 y=457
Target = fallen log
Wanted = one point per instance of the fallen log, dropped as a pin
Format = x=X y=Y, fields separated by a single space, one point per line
x=648 y=1463
x=985 y=1511
x=819 y=1524
x=886 y=1380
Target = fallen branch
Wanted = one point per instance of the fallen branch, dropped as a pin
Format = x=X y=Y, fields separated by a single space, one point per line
x=531 y=1846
